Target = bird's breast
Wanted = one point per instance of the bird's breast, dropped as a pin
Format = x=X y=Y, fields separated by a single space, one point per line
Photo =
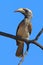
x=23 y=31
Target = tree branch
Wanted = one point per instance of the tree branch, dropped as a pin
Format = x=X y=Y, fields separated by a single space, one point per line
x=34 y=41
x=22 y=39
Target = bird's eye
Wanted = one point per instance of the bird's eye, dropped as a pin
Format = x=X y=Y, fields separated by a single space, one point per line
x=25 y=10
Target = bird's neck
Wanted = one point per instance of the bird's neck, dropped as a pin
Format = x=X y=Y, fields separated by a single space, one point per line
x=28 y=19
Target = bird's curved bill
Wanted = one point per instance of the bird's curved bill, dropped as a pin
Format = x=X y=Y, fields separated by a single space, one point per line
x=19 y=10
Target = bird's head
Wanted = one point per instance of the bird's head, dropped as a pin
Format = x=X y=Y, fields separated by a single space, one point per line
x=25 y=11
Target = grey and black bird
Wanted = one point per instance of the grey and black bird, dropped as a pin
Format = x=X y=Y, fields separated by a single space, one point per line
x=23 y=30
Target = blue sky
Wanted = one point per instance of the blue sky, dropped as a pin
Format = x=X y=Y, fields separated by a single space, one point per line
x=9 y=22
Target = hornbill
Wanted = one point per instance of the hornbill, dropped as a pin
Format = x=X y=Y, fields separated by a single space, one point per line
x=23 y=30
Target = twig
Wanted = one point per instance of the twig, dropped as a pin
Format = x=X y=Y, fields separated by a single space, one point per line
x=21 y=61
x=37 y=37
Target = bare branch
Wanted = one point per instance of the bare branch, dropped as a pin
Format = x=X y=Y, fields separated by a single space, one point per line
x=34 y=41
x=7 y=35
x=25 y=40
x=37 y=44
x=21 y=61
x=39 y=34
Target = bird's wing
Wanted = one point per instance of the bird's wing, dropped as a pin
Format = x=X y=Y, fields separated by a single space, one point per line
x=20 y=25
x=30 y=28
x=18 y=31
x=20 y=44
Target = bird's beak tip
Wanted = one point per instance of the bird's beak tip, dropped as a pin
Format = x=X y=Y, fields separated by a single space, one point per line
x=16 y=11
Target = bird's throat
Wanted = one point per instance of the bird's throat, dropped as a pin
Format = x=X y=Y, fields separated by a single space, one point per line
x=27 y=20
